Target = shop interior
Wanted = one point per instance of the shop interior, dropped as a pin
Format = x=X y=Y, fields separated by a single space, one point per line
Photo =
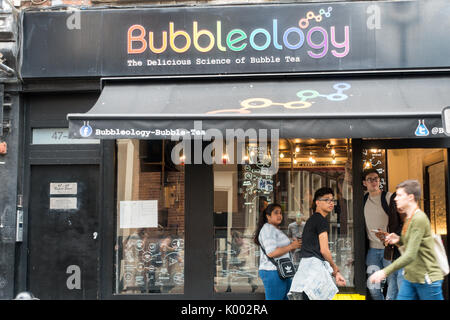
x=242 y=190
x=150 y=206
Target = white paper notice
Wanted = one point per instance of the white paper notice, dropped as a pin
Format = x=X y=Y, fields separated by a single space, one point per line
x=63 y=203
x=139 y=214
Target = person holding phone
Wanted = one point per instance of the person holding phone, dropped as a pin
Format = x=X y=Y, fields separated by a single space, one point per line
x=423 y=276
x=380 y=216
x=277 y=245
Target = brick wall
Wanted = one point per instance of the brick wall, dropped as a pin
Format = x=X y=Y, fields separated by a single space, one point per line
x=238 y=220
x=88 y=3
x=150 y=188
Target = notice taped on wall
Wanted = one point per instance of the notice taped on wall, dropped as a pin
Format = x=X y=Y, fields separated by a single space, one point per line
x=63 y=203
x=139 y=214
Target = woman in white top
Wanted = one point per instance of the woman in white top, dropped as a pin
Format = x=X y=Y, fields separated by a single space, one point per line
x=277 y=245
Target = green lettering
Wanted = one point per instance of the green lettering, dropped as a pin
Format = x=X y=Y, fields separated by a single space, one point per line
x=231 y=42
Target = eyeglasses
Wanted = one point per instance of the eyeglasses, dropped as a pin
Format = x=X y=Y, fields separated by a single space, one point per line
x=370 y=180
x=328 y=200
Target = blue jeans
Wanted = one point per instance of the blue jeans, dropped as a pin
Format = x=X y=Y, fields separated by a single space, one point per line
x=274 y=287
x=375 y=261
x=421 y=291
x=394 y=281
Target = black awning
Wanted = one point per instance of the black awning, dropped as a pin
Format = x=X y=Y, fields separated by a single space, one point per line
x=333 y=108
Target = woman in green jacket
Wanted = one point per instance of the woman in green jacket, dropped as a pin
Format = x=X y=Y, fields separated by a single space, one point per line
x=423 y=276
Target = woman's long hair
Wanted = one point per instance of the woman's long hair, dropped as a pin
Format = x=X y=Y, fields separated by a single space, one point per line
x=263 y=219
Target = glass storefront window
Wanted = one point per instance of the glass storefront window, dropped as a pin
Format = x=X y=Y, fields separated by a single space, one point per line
x=242 y=189
x=149 y=250
x=235 y=216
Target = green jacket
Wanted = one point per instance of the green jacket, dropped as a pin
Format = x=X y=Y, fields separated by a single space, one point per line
x=419 y=259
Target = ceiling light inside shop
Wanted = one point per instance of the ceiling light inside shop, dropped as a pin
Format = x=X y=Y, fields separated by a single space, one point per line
x=225 y=158
x=313 y=152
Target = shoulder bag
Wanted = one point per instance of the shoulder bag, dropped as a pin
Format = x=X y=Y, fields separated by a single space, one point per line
x=439 y=252
x=285 y=266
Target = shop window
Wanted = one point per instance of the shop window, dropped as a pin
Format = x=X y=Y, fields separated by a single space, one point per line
x=242 y=189
x=149 y=250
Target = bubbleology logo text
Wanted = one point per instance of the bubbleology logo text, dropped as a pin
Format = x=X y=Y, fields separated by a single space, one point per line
x=140 y=40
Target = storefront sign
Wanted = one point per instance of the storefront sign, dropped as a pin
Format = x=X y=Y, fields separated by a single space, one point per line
x=247 y=39
x=388 y=107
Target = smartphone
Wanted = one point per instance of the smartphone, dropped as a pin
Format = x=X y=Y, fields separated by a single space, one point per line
x=378 y=231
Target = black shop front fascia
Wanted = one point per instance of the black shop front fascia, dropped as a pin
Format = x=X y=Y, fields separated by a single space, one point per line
x=198 y=52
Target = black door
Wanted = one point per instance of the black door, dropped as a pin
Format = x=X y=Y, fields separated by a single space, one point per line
x=63 y=232
x=435 y=203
